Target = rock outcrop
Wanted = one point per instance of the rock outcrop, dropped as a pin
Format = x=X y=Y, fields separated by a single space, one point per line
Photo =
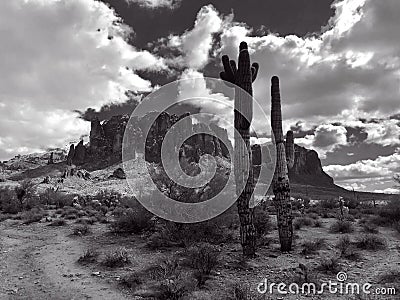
x=307 y=167
x=105 y=139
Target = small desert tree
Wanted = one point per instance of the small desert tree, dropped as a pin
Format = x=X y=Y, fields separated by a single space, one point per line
x=23 y=191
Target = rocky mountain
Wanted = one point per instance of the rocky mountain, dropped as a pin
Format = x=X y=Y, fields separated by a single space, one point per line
x=307 y=168
x=105 y=146
x=105 y=140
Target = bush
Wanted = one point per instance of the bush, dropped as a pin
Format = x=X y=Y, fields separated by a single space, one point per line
x=351 y=203
x=262 y=222
x=203 y=258
x=32 y=216
x=116 y=259
x=175 y=288
x=347 y=249
x=329 y=203
x=83 y=229
x=371 y=242
x=131 y=281
x=330 y=265
x=370 y=228
x=392 y=276
x=89 y=256
x=134 y=221
x=241 y=292
x=310 y=247
x=342 y=227
x=108 y=198
x=318 y=223
x=8 y=201
x=184 y=235
x=389 y=214
x=301 y=222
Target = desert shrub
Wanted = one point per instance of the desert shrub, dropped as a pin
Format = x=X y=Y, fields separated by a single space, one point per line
x=24 y=191
x=301 y=222
x=8 y=201
x=329 y=265
x=32 y=216
x=370 y=228
x=69 y=213
x=371 y=242
x=342 y=227
x=89 y=256
x=131 y=281
x=388 y=214
x=203 y=258
x=313 y=215
x=351 y=203
x=108 y=198
x=392 y=276
x=318 y=223
x=329 y=203
x=4 y=217
x=262 y=222
x=82 y=229
x=240 y=291
x=58 y=222
x=52 y=196
x=183 y=235
x=89 y=221
x=116 y=259
x=347 y=249
x=310 y=247
x=174 y=288
x=134 y=221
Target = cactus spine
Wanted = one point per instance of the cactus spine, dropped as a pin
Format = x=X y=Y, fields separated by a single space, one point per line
x=241 y=78
x=284 y=160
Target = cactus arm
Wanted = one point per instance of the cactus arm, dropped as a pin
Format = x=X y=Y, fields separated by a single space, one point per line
x=229 y=72
x=289 y=149
x=254 y=71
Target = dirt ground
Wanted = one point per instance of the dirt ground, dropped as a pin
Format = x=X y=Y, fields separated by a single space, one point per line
x=40 y=262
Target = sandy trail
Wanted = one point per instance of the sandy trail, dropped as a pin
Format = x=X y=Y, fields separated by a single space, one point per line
x=39 y=262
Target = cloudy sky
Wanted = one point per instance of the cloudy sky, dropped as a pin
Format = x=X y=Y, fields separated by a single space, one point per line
x=338 y=61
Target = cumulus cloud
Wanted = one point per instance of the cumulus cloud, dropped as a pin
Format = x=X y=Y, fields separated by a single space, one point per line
x=325 y=138
x=60 y=56
x=195 y=44
x=368 y=171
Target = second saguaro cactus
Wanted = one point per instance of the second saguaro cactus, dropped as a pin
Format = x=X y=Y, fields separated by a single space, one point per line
x=284 y=160
x=241 y=78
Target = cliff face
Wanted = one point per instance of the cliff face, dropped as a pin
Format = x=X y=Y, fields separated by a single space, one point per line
x=105 y=140
x=307 y=168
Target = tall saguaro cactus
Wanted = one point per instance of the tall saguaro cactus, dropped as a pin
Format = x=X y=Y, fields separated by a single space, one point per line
x=241 y=78
x=284 y=160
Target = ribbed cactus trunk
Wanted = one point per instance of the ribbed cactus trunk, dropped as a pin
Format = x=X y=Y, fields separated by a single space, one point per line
x=241 y=78
x=284 y=159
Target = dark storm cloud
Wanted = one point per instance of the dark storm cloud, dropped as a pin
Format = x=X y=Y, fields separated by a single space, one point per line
x=286 y=16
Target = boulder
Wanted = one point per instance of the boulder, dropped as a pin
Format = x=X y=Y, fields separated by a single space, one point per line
x=119 y=173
